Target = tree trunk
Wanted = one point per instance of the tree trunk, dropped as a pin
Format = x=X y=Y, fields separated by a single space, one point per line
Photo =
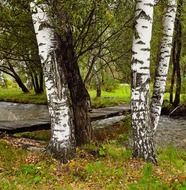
x=21 y=84
x=79 y=95
x=62 y=142
x=18 y=79
x=163 y=62
x=41 y=90
x=178 y=36
x=141 y=123
x=98 y=86
x=173 y=72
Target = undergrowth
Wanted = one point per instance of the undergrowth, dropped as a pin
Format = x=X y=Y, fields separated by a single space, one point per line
x=96 y=166
x=103 y=165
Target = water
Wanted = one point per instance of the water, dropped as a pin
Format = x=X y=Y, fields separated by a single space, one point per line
x=170 y=130
x=19 y=112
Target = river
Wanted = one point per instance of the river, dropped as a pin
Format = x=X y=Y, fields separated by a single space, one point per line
x=170 y=130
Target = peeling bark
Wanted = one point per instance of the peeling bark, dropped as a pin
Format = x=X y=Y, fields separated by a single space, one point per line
x=163 y=62
x=62 y=142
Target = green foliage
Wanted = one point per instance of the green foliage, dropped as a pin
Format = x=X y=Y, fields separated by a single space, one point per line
x=16 y=95
x=102 y=150
x=29 y=170
x=118 y=96
x=110 y=85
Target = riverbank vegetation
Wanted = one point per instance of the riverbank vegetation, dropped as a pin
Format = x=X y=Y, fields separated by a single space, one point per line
x=117 y=96
x=120 y=95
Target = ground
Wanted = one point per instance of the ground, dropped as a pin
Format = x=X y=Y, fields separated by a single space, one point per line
x=104 y=164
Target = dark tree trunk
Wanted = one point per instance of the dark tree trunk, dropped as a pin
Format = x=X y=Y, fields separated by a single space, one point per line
x=21 y=84
x=178 y=30
x=18 y=79
x=173 y=71
x=41 y=82
x=79 y=95
x=98 y=89
x=36 y=84
x=36 y=75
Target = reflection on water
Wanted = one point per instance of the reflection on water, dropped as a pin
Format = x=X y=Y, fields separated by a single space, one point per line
x=14 y=111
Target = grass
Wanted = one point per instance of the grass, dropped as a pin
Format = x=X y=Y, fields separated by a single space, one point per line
x=120 y=95
x=16 y=95
x=104 y=166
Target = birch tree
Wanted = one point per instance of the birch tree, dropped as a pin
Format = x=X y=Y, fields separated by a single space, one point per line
x=62 y=142
x=145 y=116
x=141 y=122
x=163 y=62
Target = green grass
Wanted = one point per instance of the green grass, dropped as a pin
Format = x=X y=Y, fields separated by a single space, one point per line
x=118 y=96
x=105 y=166
x=16 y=95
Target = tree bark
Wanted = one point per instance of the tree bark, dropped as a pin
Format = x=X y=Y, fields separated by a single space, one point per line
x=173 y=72
x=62 y=142
x=97 y=80
x=41 y=90
x=141 y=123
x=163 y=62
x=79 y=95
x=18 y=79
x=178 y=36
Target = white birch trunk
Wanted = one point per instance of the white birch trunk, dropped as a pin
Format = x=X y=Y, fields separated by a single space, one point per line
x=142 y=129
x=163 y=62
x=62 y=143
